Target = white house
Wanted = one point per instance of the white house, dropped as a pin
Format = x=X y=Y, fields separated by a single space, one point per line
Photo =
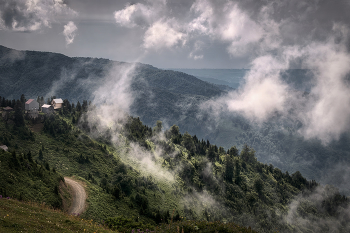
x=31 y=105
x=47 y=108
x=57 y=103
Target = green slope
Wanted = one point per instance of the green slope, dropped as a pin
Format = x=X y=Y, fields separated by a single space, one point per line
x=133 y=171
x=24 y=179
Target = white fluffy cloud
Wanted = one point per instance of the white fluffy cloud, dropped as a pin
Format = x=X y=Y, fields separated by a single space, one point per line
x=31 y=15
x=329 y=115
x=163 y=35
x=226 y=23
x=230 y=24
x=324 y=113
x=160 y=31
x=134 y=15
x=69 y=32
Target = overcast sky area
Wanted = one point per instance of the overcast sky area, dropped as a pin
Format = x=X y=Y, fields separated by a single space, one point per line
x=170 y=33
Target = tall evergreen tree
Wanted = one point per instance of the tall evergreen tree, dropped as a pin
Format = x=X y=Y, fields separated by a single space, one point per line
x=41 y=156
x=229 y=168
x=19 y=119
x=78 y=106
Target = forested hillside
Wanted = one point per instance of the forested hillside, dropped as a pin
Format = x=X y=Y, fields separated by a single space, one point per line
x=174 y=98
x=139 y=176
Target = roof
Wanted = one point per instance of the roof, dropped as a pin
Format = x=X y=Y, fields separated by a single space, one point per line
x=46 y=106
x=29 y=101
x=58 y=101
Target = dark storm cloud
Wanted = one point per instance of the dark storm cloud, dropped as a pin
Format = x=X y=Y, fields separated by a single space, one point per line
x=31 y=15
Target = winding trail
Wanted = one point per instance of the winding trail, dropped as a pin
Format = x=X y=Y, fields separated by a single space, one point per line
x=78 y=198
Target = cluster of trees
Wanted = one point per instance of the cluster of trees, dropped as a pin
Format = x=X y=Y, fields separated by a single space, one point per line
x=121 y=184
x=18 y=117
x=234 y=178
x=55 y=126
x=25 y=179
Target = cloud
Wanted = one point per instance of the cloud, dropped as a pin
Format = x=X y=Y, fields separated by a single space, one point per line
x=197 y=48
x=161 y=32
x=275 y=36
x=116 y=92
x=163 y=35
x=324 y=112
x=12 y=56
x=329 y=112
x=229 y=24
x=226 y=23
x=69 y=32
x=65 y=77
x=264 y=93
x=31 y=15
x=112 y=101
x=308 y=213
x=134 y=15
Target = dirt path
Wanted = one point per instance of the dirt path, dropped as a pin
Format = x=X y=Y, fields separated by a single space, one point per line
x=78 y=196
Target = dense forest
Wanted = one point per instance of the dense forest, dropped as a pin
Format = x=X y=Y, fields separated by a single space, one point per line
x=145 y=176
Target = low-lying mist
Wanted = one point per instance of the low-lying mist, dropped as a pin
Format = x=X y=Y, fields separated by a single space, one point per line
x=107 y=117
x=323 y=111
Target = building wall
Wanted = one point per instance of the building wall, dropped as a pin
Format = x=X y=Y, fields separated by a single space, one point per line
x=32 y=105
x=57 y=105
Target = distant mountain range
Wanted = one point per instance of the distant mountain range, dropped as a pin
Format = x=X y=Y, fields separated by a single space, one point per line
x=174 y=97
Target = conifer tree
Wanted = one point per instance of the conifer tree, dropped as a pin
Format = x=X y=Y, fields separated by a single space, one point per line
x=41 y=156
x=229 y=168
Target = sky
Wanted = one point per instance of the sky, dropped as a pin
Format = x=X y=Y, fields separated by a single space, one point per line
x=171 y=33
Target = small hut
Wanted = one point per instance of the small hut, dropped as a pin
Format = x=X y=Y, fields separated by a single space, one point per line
x=8 y=109
x=57 y=103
